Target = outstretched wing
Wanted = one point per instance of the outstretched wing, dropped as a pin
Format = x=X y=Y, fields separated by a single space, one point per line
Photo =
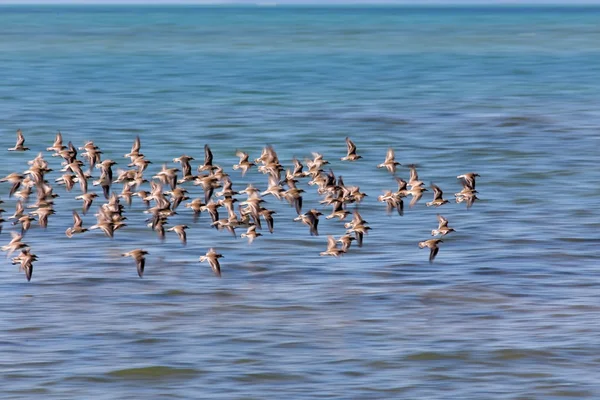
x=208 y=156
x=77 y=222
x=433 y=253
x=437 y=192
x=20 y=138
x=351 y=146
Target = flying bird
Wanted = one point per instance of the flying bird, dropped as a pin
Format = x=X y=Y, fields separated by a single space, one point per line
x=351 y=155
x=139 y=256
x=213 y=260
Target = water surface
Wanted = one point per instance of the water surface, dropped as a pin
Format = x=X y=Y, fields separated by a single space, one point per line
x=508 y=310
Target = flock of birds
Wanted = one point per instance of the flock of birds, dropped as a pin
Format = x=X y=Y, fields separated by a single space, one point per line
x=161 y=204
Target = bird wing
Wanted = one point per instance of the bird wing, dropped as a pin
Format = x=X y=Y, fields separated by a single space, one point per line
x=331 y=243
x=442 y=221
x=137 y=144
x=437 y=192
x=208 y=156
x=389 y=156
x=401 y=184
x=413 y=174
x=58 y=141
x=400 y=206
x=433 y=253
x=243 y=156
x=415 y=199
x=351 y=146
x=20 y=138
x=215 y=266
x=141 y=263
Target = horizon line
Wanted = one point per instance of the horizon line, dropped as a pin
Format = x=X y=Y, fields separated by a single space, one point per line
x=318 y=3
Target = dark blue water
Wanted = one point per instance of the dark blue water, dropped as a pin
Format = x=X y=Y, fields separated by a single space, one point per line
x=510 y=308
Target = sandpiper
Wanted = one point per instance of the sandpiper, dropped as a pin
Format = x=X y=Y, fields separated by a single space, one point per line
x=25 y=220
x=338 y=211
x=443 y=228
x=88 y=199
x=251 y=234
x=196 y=206
x=359 y=231
x=25 y=259
x=390 y=161
x=58 y=144
x=135 y=149
x=351 y=156
x=433 y=246
x=20 y=142
x=14 y=178
x=332 y=249
x=43 y=213
x=310 y=218
x=468 y=179
x=469 y=197
x=245 y=164
x=15 y=244
x=139 y=256
x=268 y=217
x=414 y=181
x=416 y=192
x=213 y=260
x=180 y=231
x=437 y=197
x=208 y=160
x=186 y=168
x=392 y=202
x=77 y=226
x=346 y=241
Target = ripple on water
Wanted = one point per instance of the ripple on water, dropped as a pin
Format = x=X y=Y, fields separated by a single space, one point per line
x=438 y=356
x=258 y=377
x=154 y=372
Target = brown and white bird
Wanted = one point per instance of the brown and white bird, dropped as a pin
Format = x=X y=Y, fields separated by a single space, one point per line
x=77 y=226
x=58 y=144
x=332 y=249
x=432 y=244
x=443 y=228
x=310 y=218
x=437 y=197
x=390 y=161
x=244 y=164
x=346 y=241
x=186 y=168
x=213 y=260
x=180 y=231
x=414 y=181
x=15 y=179
x=251 y=234
x=135 y=150
x=468 y=179
x=25 y=259
x=468 y=197
x=15 y=244
x=19 y=146
x=139 y=256
x=351 y=155
x=87 y=198
x=208 y=160
x=468 y=192
x=392 y=201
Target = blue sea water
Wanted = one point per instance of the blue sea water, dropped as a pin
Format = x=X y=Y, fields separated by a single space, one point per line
x=510 y=309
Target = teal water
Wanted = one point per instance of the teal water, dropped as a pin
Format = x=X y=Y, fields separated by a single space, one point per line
x=509 y=310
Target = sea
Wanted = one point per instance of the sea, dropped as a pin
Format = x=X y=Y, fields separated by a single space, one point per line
x=509 y=308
